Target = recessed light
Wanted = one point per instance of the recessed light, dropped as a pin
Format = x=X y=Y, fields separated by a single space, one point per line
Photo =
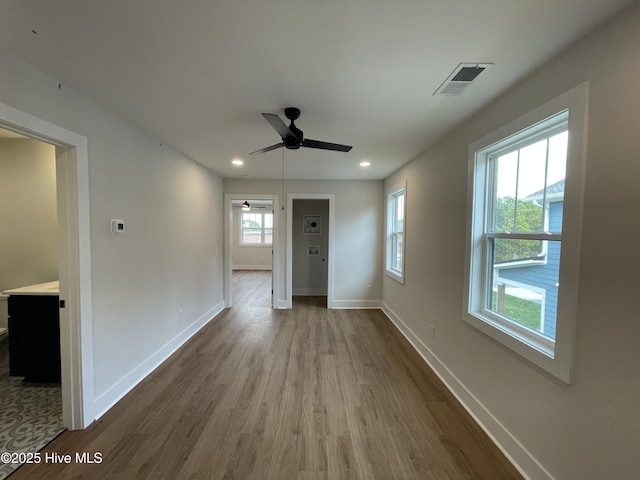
x=237 y=162
x=365 y=163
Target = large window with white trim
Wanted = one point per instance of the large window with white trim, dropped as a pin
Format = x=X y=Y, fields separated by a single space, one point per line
x=524 y=230
x=396 y=206
x=256 y=228
x=520 y=247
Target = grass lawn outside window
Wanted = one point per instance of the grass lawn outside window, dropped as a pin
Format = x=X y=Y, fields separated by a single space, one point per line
x=525 y=312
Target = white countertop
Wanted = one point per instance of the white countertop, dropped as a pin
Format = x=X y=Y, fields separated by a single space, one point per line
x=48 y=288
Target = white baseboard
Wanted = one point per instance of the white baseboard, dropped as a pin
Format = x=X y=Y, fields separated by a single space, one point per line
x=281 y=304
x=113 y=395
x=252 y=267
x=340 y=304
x=357 y=304
x=309 y=292
x=517 y=454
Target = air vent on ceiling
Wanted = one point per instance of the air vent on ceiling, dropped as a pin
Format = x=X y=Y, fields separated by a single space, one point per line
x=461 y=77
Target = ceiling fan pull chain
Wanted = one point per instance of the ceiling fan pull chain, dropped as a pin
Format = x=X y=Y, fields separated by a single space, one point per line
x=283 y=180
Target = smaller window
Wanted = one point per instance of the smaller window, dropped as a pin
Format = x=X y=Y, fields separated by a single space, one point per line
x=256 y=229
x=396 y=210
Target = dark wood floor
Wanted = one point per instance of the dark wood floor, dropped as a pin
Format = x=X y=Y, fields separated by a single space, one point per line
x=306 y=393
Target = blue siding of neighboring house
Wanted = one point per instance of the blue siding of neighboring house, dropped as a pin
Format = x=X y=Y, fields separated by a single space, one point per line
x=555 y=216
x=543 y=276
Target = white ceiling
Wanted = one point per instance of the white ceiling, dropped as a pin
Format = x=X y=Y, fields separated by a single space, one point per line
x=196 y=74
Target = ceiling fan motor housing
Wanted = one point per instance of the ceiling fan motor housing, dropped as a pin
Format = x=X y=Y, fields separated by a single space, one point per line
x=292 y=113
x=293 y=143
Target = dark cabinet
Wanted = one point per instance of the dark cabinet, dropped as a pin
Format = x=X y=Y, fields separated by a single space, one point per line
x=34 y=337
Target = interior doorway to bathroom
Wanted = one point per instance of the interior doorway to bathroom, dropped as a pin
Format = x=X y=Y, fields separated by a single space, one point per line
x=72 y=240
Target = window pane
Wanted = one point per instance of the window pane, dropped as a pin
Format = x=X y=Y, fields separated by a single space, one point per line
x=519 y=304
x=557 y=158
x=506 y=250
x=251 y=235
x=257 y=228
x=526 y=292
x=519 y=190
x=399 y=211
x=251 y=220
x=531 y=170
x=555 y=181
x=396 y=259
x=527 y=215
x=395 y=226
x=505 y=192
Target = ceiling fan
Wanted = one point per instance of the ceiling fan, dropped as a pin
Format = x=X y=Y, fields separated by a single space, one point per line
x=292 y=136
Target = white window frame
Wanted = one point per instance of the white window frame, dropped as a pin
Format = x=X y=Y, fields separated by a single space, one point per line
x=262 y=229
x=556 y=357
x=391 y=237
x=485 y=168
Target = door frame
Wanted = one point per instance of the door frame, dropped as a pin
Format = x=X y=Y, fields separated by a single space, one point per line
x=330 y=268
x=74 y=259
x=228 y=244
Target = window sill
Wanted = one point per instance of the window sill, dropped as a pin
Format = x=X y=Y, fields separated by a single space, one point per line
x=540 y=352
x=529 y=337
x=398 y=277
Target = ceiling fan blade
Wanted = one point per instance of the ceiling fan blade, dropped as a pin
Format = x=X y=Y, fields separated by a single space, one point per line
x=307 y=142
x=279 y=126
x=268 y=149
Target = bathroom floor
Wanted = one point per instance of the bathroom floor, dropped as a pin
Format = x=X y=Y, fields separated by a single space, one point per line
x=30 y=413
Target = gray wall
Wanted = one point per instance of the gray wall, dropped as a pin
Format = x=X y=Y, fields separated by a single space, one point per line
x=309 y=273
x=28 y=215
x=165 y=262
x=589 y=429
x=359 y=206
x=173 y=209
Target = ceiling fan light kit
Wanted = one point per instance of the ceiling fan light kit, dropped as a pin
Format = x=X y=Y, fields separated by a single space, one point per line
x=292 y=137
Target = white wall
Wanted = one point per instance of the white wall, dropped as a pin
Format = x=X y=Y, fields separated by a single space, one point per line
x=164 y=262
x=589 y=429
x=358 y=232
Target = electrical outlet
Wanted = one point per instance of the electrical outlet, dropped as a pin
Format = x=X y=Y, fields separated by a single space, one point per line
x=180 y=311
x=433 y=331
x=368 y=288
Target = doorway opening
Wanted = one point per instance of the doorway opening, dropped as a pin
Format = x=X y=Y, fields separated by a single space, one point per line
x=251 y=267
x=73 y=259
x=310 y=246
x=29 y=327
x=310 y=250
